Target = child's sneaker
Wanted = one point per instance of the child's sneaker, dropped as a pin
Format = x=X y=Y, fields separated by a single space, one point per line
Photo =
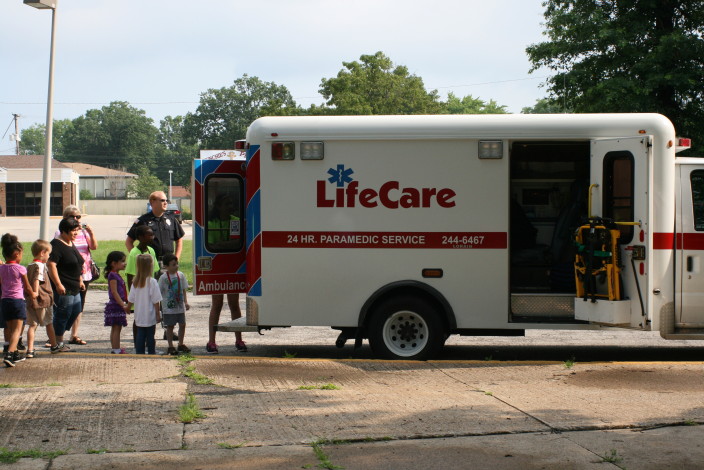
x=182 y=348
x=30 y=354
x=9 y=359
x=211 y=348
x=5 y=347
x=18 y=356
x=64 y=347
x=119 y=351
x=171 y=351
x=55 y=349
x=241 y=346
x=20 y=345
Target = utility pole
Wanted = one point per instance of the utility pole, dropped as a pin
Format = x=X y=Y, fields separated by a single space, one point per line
x=17 y=133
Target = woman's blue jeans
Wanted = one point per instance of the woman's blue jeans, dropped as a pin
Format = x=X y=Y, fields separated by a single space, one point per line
x=67 y=308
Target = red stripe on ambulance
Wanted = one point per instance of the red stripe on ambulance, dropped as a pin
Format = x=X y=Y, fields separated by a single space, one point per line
x=687 y=241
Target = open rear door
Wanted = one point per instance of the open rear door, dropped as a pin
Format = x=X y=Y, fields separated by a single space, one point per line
x=218 y=226
x=619 y=192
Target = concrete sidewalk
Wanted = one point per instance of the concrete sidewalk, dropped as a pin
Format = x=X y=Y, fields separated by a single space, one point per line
x=264 y=413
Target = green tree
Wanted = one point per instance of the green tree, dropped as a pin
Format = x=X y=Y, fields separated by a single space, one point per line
x=545 y=106
x=115 y=135
x=223 y=115
x=627 y=56
x=375 y=86
x=34 y=138
x=145 y=184
x=173 y=152
x=471 y=105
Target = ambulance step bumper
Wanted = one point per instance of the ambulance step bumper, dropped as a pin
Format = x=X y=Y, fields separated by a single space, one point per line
x=559 y=306
x=237 y=325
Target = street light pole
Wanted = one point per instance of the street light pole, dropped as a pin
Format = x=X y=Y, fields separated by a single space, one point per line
x=46 y=180
x=170 y=172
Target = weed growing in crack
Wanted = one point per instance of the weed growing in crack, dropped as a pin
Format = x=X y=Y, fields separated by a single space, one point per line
x=190 y=411
x=612 y=457
x=12 y=456
x=319 y=387
x=225 y=445
x=322 y=457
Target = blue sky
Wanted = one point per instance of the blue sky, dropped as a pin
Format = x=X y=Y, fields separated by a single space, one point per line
x=160 y=56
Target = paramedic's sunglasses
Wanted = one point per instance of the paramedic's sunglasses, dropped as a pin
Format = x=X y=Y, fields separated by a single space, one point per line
x=77 y=217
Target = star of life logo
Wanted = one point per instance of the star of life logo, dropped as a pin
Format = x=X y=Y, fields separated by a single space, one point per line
x=346 y=192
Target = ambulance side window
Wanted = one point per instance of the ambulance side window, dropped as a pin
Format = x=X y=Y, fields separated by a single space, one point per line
x=697 y=178
x=224 y=214
x=618 y=191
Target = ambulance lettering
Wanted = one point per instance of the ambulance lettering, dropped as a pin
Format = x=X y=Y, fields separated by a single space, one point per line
x=389 y=195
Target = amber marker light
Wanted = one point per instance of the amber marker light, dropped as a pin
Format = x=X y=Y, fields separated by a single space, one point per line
x=432 y=272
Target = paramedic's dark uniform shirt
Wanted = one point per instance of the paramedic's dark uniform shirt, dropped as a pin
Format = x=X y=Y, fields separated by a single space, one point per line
x=166 y=231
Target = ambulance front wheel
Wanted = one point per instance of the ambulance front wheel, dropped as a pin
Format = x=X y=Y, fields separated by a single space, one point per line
x=406 y=328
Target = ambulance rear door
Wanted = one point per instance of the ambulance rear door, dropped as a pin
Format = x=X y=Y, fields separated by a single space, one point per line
x=690 y=244
x=218 y=226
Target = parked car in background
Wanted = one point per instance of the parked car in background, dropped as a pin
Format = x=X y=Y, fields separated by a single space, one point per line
x=174 y=210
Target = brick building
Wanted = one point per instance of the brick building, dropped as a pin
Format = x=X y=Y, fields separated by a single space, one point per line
x=21 y=185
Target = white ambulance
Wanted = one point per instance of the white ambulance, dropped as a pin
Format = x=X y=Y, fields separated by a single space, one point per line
x=404 y=230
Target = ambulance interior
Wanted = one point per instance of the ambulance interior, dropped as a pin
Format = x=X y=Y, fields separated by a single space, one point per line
x=549 y=184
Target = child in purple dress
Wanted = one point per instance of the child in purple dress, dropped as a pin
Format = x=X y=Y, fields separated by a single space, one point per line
x=116 y=309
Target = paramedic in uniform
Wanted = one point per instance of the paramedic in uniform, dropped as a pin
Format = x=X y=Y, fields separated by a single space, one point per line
x=167 y=230
x=219 y=231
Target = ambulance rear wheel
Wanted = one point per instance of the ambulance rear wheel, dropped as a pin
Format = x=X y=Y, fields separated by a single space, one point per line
x=406 y=328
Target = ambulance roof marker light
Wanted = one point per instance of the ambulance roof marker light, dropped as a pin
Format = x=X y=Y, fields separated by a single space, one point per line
x=312 y=150
x=491 y=149
x=283 y=150
x=683 y=143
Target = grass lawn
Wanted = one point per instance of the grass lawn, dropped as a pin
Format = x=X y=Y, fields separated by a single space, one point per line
x=105 y=247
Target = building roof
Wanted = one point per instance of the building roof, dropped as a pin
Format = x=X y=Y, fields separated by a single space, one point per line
x=179 y=191
x=86 y=169
x=27 y=161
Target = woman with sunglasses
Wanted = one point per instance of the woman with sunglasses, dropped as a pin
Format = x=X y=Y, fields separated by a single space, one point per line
x=84 y=242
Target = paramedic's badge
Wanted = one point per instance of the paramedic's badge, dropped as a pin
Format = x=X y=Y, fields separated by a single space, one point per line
x=168 y=221
x=234 y=229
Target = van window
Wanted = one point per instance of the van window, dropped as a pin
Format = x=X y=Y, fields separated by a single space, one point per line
x=618 y=191
x=224 y=221
x=697 y=178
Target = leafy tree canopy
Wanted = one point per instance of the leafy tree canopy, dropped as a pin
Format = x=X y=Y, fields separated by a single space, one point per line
x=223 y=115
x=545 y=106
x=117 y=134
x=142 y=186
x=375 y=86
x=471 y=105
x=173 y=152
x=34 y=138
x=627 y=56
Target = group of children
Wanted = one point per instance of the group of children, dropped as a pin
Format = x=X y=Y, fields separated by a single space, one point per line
x=27 y=297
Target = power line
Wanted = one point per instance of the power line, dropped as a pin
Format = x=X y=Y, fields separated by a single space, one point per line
x=8 y=128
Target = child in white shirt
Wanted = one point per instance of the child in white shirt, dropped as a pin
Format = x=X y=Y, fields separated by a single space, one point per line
x=145 y=297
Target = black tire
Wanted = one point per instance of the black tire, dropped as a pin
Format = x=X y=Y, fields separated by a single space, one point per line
x=406 y=328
